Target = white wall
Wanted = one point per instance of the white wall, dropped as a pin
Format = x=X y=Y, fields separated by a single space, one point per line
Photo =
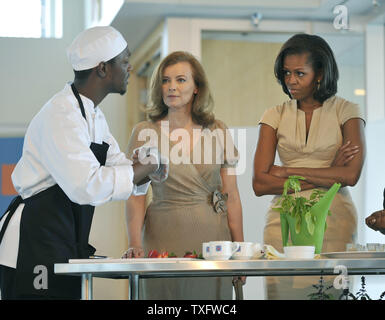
x=351 y=65
x=254 y=209
x=35 y=69
x=375 y=183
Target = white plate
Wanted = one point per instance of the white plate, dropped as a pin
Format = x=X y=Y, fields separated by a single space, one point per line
x=353 y=254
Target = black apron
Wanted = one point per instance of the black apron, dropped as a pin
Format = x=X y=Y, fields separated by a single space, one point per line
x=53 y=229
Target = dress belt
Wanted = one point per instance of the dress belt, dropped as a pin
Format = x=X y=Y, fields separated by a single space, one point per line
x=216 y=199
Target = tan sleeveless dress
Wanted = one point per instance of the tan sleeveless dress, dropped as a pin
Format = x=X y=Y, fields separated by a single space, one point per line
x=181 y=215
x=324 y=139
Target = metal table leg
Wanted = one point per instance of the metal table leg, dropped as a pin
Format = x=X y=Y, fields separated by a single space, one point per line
x=87 y=286
x=134 y=286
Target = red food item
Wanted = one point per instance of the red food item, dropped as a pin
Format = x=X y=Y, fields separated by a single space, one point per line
x=189 y=254
x=164 y=254
x=153 y=254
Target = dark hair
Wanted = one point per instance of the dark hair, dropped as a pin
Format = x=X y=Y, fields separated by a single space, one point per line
x=201 y=111
x=321 y=58
x=84 y=74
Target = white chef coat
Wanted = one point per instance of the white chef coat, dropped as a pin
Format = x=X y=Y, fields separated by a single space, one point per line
x=57 y=151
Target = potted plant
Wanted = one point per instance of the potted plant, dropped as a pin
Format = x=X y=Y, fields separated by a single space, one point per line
x=304 y=219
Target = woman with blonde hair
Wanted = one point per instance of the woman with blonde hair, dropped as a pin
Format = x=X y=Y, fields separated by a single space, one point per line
x=199 y=202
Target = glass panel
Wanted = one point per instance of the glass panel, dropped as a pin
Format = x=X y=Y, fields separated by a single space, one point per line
x=20 y=18
x=31 y=18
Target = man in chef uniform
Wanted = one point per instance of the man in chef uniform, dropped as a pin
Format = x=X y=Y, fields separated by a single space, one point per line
x=70 y=163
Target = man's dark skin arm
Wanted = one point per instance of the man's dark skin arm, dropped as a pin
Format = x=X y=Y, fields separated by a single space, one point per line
x=376 y=221
x=141 y=171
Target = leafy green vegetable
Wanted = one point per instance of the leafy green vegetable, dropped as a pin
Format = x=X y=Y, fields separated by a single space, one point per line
x=296 y=206
x=310 y=222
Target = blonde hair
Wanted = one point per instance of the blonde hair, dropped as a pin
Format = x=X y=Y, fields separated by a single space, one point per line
x=202 y=106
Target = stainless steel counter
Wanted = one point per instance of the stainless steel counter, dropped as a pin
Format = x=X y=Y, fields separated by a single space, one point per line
x=167 y=268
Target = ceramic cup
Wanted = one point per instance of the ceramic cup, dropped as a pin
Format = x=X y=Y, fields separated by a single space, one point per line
x=222 y=250
x=206 y=250
x=299 y=252
x=247 y=250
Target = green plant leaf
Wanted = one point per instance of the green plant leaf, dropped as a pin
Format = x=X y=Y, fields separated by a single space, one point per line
x=278 y=210
x=299 y=207
x=297 y=223
x=309 y=223
x=285 y=187
x=313 y=196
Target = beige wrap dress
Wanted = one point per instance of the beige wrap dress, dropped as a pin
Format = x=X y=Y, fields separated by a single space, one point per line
x=181 y=215
x=324 y=140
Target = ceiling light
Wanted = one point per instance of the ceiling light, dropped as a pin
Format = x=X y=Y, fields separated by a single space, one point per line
x=359 y=92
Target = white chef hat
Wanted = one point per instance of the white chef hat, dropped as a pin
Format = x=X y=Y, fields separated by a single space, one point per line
x=95 y=45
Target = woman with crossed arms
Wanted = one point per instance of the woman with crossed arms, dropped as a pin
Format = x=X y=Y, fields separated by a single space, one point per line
x=319 y=136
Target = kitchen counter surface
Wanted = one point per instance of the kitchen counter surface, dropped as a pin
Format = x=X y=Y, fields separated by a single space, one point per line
x=133 y=269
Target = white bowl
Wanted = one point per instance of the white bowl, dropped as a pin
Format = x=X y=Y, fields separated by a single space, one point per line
x=299 y=252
